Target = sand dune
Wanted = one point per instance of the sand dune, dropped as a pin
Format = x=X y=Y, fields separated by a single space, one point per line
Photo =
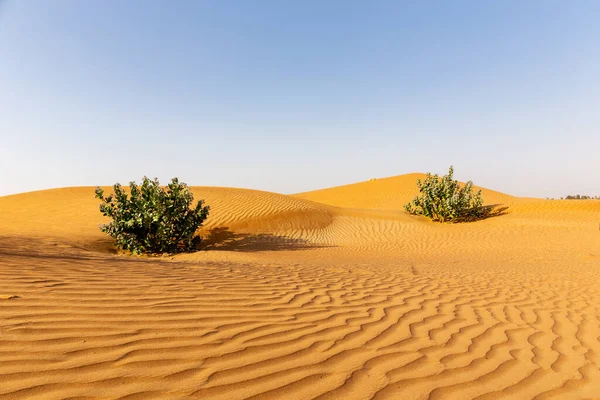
x=384 y=193
x=329 y=294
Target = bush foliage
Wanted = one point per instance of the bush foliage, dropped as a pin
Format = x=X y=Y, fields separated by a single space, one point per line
x=444 y=199
x=151 y=219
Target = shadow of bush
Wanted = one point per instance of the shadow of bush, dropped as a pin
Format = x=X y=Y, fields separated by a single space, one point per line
x=222 y=238
x=491 y=211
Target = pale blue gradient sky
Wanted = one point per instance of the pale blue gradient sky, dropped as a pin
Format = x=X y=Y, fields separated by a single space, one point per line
x=293 y=96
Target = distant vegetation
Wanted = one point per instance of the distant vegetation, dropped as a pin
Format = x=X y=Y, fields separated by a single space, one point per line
x=580 y=197
x=152 y=219
x=576 y=197
x=444 y=199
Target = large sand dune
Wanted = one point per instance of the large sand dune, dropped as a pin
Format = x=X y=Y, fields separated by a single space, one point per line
x=330 y=294
x=387 y=193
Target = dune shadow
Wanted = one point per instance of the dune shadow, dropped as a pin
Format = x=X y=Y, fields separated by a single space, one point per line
x=50 y=248
x=102 y=250
x=222 y=238
x=490 y=211
x=100 y=245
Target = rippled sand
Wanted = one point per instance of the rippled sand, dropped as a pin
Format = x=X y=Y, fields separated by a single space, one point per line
x=328 y=294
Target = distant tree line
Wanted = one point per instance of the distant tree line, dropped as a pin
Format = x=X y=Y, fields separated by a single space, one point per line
x=581 y=197
x=576 y=197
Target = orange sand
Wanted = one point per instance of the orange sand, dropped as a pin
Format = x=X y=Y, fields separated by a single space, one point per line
x=329 y=294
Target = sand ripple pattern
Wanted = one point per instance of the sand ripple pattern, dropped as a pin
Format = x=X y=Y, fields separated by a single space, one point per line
x=325 y=295
x=78 y=325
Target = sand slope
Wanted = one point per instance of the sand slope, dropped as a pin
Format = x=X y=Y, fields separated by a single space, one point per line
x=329 y=294
x=384 y=193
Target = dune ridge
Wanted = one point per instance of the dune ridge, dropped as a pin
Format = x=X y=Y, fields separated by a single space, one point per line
x=384 y=193
x=329 y=294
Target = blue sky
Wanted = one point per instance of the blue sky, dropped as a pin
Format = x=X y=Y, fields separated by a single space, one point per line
x=293 y=96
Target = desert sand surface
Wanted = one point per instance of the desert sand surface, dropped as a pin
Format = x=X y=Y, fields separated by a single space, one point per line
x=331 y=294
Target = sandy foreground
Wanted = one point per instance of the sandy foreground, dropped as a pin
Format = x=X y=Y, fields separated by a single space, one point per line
x=332 y=294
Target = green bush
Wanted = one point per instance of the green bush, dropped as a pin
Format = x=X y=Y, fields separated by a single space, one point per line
x=152 y=219
x=444 y=199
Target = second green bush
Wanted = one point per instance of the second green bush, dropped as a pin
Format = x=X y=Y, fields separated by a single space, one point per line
x=444 y=199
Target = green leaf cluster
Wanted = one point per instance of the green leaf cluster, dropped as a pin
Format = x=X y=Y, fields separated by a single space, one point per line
x=151 y=219
x=444 y=199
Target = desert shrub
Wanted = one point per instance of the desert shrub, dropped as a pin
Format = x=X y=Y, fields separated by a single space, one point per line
x=151 y=219
x=444 y=199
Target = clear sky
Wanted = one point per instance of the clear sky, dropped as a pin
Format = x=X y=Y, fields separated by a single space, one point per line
x=290 y=96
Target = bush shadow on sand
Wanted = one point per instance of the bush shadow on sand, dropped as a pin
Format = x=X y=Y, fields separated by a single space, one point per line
x=490 y=211
x=222 y=238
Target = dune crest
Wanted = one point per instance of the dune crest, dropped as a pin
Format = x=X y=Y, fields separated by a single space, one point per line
x=384 y=193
